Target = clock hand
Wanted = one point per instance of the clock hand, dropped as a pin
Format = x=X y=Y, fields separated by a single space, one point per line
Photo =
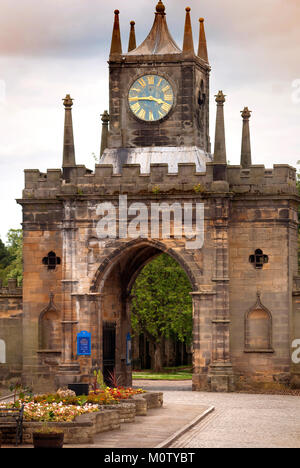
x=146 y=98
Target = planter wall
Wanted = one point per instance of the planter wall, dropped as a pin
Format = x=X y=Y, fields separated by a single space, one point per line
x=153 y=399
x=127 y=410
x=108 y=418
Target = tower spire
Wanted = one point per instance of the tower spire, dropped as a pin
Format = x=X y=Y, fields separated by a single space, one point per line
x=202 y=49
x=188 y=42
x=69 y=148
x=132 y=39
x=246 y=144
x=116 y=45
x=220 y=145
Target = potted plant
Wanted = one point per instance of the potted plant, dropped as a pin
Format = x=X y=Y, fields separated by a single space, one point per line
x=48 y=437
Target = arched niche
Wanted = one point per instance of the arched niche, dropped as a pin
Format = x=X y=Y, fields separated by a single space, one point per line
x=50 y=328
x=258 y=328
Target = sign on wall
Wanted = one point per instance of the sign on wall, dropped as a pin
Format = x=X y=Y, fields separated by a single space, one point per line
x=128 y=349
x=83 y=343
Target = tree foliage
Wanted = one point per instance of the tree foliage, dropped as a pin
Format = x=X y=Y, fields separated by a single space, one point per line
x=11 y=260
x=162 y=305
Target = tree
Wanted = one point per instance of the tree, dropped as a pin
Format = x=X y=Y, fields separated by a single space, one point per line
x=11 y=256
x=4 y=256
x=162 y=305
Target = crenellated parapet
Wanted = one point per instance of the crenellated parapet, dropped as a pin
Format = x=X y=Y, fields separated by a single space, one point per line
x=260 y=180
x=12 y=288
x=103 y=181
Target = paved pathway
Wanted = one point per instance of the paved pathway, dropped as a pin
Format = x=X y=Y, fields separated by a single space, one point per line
x=148 y=431
x=242 y=421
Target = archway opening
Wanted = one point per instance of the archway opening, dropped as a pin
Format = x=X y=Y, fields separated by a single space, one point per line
x=117 y=281
x=161 y=316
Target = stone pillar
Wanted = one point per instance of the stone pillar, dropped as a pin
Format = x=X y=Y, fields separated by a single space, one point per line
x=104 y=135
x=202 y=336
x=69 y=370
x=89 y=311
x=221 y=374
x=246 y=144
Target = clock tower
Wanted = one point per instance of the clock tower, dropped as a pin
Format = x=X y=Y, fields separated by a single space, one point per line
x=159 y=98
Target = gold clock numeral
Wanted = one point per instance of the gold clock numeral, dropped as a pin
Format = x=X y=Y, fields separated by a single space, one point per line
x=138 y=90
x=166 y=88
x=142 y=114
x=151 y=80
x=151 y=116
x=158 y=84
x=133 y=98
x=168 y=97
x=135 y=107
x=166 y=107
x=160 y=114
x=142 y=82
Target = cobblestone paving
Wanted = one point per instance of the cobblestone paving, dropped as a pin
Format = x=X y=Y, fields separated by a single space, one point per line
x=242 y=421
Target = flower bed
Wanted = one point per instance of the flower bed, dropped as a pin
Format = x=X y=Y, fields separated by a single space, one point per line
x=81 y=421
x=65 y=406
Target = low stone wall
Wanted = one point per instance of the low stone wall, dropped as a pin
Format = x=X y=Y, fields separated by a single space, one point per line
x=126 y=410
x=140 y=405
x=153 y=399
x=108 y=418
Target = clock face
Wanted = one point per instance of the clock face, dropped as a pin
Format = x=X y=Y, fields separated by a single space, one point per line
x=151 y=98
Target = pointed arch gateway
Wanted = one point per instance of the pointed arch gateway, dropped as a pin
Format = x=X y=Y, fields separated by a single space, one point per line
x=114 y=280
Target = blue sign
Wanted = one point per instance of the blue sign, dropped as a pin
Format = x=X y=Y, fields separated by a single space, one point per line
x=128 y=349
x=84 y=343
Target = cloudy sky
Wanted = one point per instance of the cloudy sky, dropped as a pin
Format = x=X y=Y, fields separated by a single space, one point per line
x=52 y=47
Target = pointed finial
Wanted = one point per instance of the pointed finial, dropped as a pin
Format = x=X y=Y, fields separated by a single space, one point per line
x=116 y=45
x=68 y=101
x=246 y=143
x=220 y=145
x=105 y=117
x=68 y=145
x=188 y=42
x=246 y=113
x=160 y=8
x=220 y=98
x=202 y=49
x=132 y=39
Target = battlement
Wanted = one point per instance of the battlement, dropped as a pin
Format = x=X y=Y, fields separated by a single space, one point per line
x=103 y=181
x=280 y=179
x=11 y=289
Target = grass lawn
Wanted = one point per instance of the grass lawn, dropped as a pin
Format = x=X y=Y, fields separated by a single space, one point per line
x=168 y=373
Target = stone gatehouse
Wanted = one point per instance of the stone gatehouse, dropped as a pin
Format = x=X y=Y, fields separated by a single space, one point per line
x=156 y=149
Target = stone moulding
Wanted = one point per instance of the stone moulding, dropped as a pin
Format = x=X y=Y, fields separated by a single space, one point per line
x=109 y=417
